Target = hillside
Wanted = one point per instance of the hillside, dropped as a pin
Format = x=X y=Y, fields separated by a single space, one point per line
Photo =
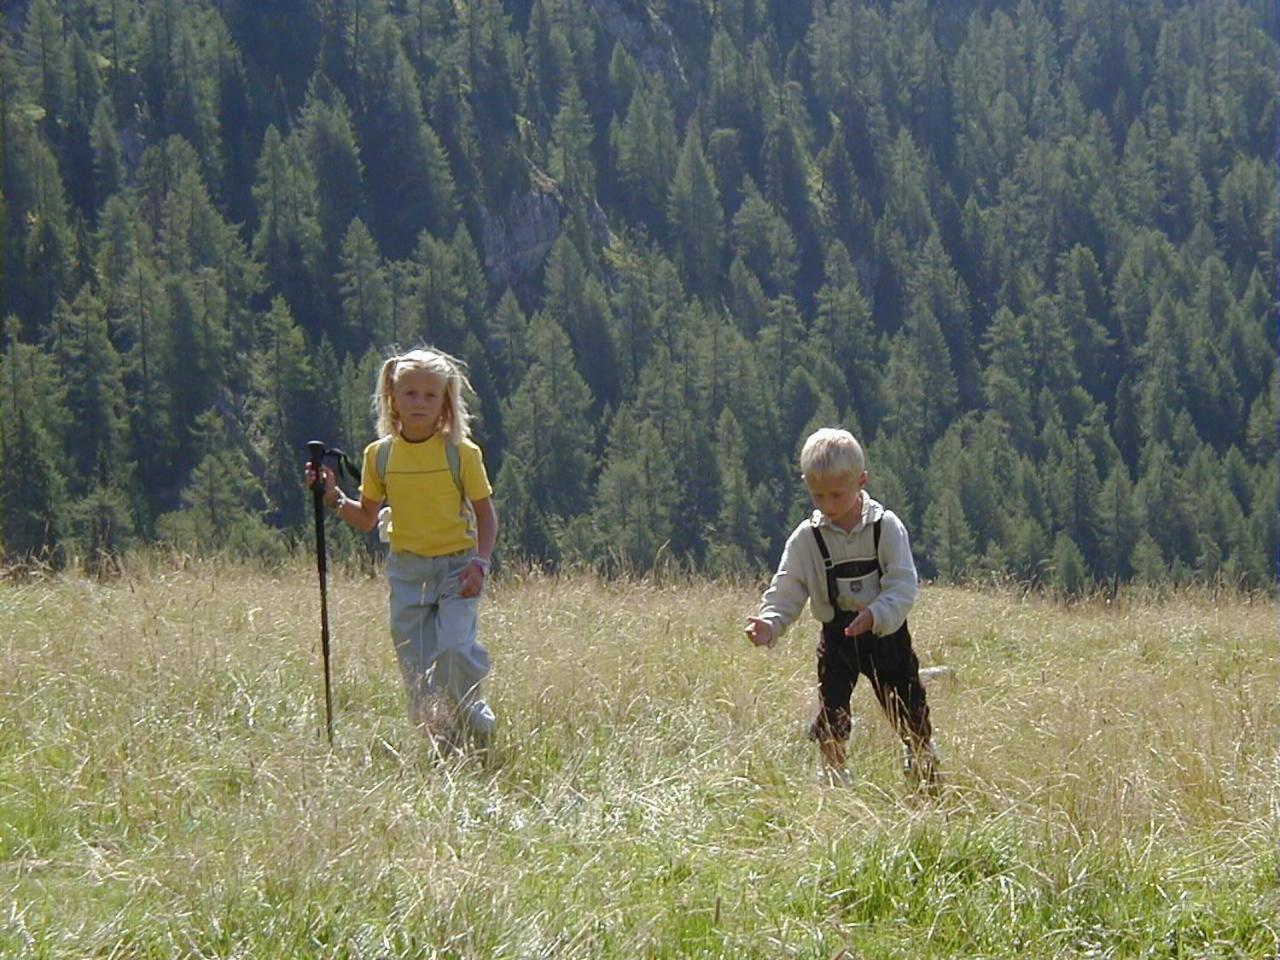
x=1025 y=250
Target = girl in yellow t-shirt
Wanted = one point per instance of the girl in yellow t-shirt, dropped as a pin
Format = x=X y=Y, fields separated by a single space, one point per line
x=439 y=558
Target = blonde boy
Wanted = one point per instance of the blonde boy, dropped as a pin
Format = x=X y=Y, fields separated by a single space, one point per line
x=851 y=559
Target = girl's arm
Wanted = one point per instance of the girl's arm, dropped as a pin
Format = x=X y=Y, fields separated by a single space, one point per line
x=472 y=578
x=486 y=527
x=361 y=514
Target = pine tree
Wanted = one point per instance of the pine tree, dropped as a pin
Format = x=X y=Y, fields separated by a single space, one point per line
x=38 y=238
x=330 y=143
x=647 y=148
x=438 y=294
x=843 y=325
x=1162 y=504
x=366 y=297
x=695 y=217
x=108 y=162
x=1070 y=572
x=282 y=409
x=1118 y=526
x=33 y=492
x=1074 y=490
x=736 y=543
x=509 y=334
x=398 y=146
x=221 y=502
x=948 y=536
x=95 y=399
x=99 y=472
x=635 y=499
x=287 y=239
x=761 y=237
x=528 y=531
x=570 y=158
x=548 y=425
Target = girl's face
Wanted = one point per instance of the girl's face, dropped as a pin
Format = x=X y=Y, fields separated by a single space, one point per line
x=418 y=398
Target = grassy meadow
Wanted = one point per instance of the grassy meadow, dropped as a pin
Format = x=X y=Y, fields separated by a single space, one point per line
x=166 y=791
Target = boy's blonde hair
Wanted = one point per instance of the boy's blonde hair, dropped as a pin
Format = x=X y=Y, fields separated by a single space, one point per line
x=831 y=452
x=455 y=419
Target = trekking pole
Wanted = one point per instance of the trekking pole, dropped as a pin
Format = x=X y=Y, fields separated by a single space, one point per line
x=316 y=451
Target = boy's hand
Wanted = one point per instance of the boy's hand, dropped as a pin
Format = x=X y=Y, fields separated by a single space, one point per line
x=759 y=631
x=863 y=622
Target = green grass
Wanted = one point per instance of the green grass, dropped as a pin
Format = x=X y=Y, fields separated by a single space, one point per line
x=165 y=788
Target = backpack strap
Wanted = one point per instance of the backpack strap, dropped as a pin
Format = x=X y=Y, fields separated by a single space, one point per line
x=382 y=456
x=875 y=533
x=455 y=465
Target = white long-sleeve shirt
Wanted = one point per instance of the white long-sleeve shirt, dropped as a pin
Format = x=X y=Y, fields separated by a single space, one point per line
x=801 y=574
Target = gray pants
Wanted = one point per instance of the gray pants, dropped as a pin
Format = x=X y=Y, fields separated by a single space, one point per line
x=434 y=631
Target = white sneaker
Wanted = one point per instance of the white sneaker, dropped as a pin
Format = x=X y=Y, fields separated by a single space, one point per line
x=921 y=767
x=833 y=776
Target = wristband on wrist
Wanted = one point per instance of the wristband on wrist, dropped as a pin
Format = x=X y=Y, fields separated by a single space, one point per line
x=337 y=503
x=480 y=562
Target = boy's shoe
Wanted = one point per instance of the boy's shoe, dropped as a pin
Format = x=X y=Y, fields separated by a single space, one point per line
x=833 y=776
x=831 y=770
x=920 y=766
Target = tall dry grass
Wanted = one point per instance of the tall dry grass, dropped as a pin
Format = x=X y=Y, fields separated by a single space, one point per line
x=165 y=788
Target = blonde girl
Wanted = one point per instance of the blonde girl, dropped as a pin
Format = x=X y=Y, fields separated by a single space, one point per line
x=442 y=531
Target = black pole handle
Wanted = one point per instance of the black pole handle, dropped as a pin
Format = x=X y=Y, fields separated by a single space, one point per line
x=315 y=453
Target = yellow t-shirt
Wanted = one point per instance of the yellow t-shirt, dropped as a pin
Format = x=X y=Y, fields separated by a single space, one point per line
x=427 y=514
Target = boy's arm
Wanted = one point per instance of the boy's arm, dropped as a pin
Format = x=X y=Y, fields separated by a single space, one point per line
x=787 y=592
x=898 y=582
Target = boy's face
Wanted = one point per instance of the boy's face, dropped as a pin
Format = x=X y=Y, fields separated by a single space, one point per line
x=839 y=497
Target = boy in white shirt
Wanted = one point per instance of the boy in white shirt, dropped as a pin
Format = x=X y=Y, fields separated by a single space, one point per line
x=852 y=561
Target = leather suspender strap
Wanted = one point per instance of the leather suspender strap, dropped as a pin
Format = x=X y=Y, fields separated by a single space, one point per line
x=827 y=564
x=830 y=567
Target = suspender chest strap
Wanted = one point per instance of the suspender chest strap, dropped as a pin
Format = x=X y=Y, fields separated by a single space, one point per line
x=848 y=568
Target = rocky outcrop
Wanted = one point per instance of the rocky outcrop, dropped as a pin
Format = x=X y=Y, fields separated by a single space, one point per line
x=517 y=239
x=646 y=38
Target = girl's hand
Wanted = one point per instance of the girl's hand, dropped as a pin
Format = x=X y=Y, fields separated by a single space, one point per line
x=471 y=580
x=327 y=475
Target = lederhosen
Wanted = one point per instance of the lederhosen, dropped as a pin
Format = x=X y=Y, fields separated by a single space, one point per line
x=888 y=662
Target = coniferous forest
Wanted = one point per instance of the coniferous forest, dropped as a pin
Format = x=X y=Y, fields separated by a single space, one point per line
x=1025 y=249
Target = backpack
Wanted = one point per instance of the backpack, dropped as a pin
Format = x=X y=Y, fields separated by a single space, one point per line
x=383 y=455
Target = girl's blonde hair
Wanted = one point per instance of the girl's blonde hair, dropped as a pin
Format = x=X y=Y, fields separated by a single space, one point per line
x=455 y=419
x=831 y=452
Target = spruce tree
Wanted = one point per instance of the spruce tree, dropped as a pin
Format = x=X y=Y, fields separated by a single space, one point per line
x=635 y=500
x=948 y=536
x=34 y=520
x=695 y=217
x=366 y=297
x=548 y=425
